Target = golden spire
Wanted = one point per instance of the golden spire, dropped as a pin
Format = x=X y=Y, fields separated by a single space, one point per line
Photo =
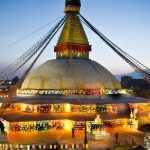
x=73 y=42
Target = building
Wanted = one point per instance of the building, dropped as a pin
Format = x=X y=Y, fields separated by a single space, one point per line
x=6 y=86
x=63 y=93
x=138 y=87
x=127 y=82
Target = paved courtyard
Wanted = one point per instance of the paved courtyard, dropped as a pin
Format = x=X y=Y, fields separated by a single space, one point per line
x=64 y=137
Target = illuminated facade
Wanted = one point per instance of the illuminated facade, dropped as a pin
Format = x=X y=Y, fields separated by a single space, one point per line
x=64 y=92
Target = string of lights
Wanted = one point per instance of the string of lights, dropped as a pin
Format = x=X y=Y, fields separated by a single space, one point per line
x=55 y=108
x=69 y=92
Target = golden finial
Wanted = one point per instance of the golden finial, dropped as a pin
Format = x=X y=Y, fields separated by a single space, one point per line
x=72 y=6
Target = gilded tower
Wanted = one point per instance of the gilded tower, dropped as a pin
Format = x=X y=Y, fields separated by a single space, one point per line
x=73 y=42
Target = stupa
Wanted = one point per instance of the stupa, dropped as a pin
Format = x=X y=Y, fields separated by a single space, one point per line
x=63 y=93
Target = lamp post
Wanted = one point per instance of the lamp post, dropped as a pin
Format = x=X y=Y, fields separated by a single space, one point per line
x=85 y=136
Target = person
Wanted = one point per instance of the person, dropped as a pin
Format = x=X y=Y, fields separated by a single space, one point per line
x=98 y=119
x=73 y=132
x=91 y=128
x=116 y=136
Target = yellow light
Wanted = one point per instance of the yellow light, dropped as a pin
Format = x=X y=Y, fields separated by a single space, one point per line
x=68 y=125
x=23 y=107
x=27 y=107
x=67 y=108
x=18 y=91
x=123 y=91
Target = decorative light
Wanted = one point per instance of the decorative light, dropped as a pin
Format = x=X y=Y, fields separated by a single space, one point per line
x=67 y=108
x=43 y=108
x=68 y=92
x=68 y=125
x=46 y=108
x=147 y=140
x=133 y=123
x=40 y=125
x=27 y=108
x=1 y=104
